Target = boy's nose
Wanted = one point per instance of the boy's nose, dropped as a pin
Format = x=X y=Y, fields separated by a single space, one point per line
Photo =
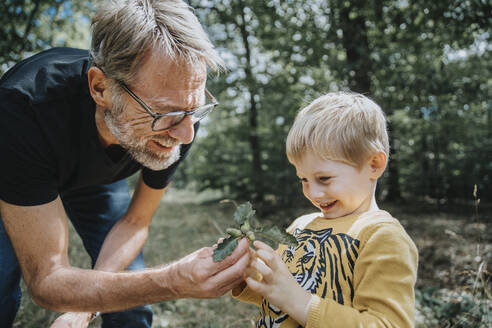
x=184 y=131
x=315 y=192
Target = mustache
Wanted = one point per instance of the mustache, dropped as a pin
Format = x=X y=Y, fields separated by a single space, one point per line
x=166 y=141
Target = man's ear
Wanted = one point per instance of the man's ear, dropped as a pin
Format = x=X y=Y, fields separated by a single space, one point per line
x=99 y=87
x=378 y=163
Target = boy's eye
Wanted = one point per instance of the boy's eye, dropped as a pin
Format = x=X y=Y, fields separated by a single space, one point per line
x=303 y=180
x=324 y=179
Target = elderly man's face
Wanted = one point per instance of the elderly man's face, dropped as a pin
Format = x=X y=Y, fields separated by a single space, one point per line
x=165 y=86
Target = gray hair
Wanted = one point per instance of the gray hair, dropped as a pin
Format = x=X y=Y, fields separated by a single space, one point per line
x=123 y=31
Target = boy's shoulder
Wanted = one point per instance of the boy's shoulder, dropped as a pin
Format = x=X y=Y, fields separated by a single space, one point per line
x=378 y=223
x=360 y=226
x=303 y=221
x=372 y=220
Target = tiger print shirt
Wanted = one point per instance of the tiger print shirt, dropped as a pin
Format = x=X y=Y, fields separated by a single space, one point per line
x=361 y=270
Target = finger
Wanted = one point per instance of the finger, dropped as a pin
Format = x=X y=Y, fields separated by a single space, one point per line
x=218 y=242
x=254 y=285
x=261 y=245
x=251 y=272
x=267 y=256
x=240 y=251
x=213 y=267
x=259 y=266
x=232 y=285
x=232 y=275
x=252 y=254
x=203 y=253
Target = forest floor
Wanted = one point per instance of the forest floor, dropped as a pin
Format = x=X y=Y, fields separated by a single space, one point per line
x=455 y=252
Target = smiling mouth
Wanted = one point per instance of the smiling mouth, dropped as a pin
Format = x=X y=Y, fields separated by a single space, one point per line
x=160 y=146
x=327 y=206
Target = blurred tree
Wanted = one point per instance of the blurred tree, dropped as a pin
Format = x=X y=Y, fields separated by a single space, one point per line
x=413 y=58
x=243 y=155
x=426 y=63
x=29 y=26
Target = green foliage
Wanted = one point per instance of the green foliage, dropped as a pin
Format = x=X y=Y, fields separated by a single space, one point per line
x=244 y=213
x=426 y=62
x=274 y=236
x=423 y=62
x=446 y=308
x=243 y=227
x=225 y=248
x=29 y=26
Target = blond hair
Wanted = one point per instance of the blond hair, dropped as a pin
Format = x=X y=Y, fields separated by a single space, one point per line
x=340 y=126
x=123 y=31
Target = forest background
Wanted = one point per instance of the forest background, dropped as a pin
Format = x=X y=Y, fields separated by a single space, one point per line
x=427 y=63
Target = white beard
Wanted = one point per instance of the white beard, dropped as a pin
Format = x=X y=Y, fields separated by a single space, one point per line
x=137 y=147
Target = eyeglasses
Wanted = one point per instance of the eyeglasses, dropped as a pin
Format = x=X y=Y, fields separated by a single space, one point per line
x=168 y=120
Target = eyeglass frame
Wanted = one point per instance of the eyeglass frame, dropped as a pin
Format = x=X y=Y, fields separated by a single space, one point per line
x=157 y=116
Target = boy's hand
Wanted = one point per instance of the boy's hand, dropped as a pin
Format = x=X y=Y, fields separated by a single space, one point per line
x=278 y=285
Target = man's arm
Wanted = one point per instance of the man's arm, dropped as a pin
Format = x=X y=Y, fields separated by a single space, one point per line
x=123 y=242
x=39 y=235
x=127 y=237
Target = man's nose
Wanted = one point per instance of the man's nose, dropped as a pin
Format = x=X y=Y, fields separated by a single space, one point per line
x=184 y=131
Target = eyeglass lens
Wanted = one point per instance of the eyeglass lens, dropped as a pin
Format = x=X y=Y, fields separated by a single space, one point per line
x=167 y=122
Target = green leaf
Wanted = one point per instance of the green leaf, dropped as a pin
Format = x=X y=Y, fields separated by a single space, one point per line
x=244 y=212
x=225 y=248
x=277 y=236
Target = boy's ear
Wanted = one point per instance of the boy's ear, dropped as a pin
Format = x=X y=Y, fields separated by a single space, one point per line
x=98 y=87
x=378 y=163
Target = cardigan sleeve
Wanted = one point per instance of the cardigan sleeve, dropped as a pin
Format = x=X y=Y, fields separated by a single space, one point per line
x=244 y=294
x=384 y=278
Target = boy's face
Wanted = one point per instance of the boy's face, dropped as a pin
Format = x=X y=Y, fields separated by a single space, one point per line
x=336 y=188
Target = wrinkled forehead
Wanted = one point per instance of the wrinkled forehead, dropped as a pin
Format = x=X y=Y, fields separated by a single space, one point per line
x=159 y=68
x=163 y=81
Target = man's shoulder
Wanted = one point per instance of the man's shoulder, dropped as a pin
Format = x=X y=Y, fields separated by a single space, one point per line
x=51 y=73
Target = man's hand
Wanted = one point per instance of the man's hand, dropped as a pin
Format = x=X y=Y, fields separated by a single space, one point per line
x=198 y=276
x=39 y=235
x=72 y=320
x=278 y=285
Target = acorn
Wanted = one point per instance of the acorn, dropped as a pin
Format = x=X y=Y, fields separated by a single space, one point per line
x=245 y=227
x=234 y=232
x=251 y=235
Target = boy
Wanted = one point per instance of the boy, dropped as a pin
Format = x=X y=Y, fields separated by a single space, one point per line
x=354 y=266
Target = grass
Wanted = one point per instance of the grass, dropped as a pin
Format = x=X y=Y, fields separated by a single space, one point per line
x=451 y=291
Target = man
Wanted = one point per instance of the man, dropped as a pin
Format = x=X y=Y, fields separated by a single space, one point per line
x=71 y=131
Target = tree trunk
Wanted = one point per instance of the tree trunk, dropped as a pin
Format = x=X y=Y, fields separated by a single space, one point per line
x=426 y=171
x=254 y=141
x=394 y=191
x=356 y=47
x=356 y=44
x=29 y=24
x=437 y=181
x=489 y=120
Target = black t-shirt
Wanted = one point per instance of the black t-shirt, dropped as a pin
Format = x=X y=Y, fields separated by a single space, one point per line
x=48 y=137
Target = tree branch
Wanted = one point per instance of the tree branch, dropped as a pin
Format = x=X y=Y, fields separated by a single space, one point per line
x=29 y=24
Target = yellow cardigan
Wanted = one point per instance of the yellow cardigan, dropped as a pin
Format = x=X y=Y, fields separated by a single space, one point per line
x=361 y=270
